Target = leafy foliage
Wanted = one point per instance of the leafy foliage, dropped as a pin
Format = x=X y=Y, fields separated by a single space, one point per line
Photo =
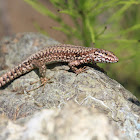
x=110 y=24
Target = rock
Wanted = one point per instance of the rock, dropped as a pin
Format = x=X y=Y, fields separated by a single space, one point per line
x=88 y=89
x=73 y=122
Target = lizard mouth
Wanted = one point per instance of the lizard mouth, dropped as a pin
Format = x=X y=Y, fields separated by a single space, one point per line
x=116 y=59
x=110 y=60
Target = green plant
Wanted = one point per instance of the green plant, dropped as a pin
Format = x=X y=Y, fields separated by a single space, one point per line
x=110 y=24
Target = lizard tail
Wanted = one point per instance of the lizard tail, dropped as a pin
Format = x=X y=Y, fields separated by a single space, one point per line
x=17 y=71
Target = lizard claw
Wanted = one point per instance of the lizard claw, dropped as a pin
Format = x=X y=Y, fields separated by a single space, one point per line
x=44 y=81
x=83 y=69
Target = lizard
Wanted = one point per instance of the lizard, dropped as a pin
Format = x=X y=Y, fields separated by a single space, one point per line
x=71 y=54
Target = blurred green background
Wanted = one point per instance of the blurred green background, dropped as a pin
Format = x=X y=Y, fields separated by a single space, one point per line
x=109 y=24
x=113 y=25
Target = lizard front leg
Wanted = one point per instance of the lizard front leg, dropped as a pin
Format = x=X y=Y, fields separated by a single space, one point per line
x=73 y=65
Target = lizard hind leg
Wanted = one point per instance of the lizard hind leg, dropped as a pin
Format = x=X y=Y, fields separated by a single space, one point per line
x=42 y=71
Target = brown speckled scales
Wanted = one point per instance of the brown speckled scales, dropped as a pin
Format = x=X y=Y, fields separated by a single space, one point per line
x=73 y=55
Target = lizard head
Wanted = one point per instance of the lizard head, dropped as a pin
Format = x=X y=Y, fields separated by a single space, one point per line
x=103 y=56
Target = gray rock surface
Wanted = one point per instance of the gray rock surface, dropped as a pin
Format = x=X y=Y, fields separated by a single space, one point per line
x=92 y=88
x=73 y=122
